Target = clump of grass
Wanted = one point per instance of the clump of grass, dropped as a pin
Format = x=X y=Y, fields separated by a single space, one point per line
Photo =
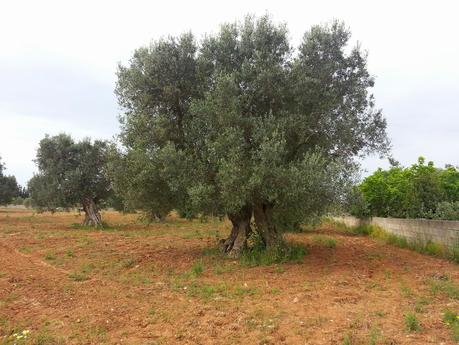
x=259 y=255
x=453 y=253
x=406 y=291
x=421 y=302
x=205 y=291
x=411 y=322
x=347 y=340
x=197 y=268
x=445 y=286
x=128 y=263
x=212 y=251
x=220 y=269
x=374 y=336
x=434 y=249
x=103 y=226
x=325 y=241
x=50 y=256
x=363 y=230
x=135 y=278
x=430 y=247
x=78 y=276
x=451 y=318
x=69 y=253
x=336 y=224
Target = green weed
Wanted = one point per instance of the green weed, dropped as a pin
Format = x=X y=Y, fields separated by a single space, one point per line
x=325 y=241
x=452 y=320
x=412 y=323
x=447 y=287
x=258 y=255
x=78 y=276
x=50 y=256
x=197 y=268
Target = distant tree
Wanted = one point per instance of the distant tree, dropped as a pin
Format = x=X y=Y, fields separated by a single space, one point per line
x=70 y=174
x=9 y=188
x=138 y=184
x=244 y=127
x=418 y=191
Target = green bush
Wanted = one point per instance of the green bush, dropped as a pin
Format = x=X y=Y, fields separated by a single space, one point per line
x=419 y=191
x=447 y=210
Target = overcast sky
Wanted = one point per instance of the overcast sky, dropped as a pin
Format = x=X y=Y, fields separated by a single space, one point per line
x=58 y=61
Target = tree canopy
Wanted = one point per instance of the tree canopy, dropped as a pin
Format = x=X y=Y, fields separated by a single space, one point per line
x=419 y=191
x=242 y=124
x=71 y=174
x=9 y=188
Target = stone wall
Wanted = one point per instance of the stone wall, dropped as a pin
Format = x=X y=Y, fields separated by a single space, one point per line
x=415 y=230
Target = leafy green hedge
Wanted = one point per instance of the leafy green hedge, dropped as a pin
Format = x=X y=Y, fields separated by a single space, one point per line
x=419 y=191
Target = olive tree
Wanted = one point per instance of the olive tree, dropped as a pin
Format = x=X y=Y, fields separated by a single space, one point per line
x=71 y=174
x=9 y=188
x=247 y=126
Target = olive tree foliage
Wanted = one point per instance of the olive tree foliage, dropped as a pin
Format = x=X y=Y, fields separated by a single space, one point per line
x=155 y=92
x=247 y=126
x=71 y=174
x=138 y=183
x=9 y=188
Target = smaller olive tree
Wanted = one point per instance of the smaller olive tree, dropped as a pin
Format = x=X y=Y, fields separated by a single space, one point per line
x=138 y=184
x=9 y=188
x=71 y=174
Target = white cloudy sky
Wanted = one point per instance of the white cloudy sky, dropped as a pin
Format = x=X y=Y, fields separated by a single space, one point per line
x=58 y=61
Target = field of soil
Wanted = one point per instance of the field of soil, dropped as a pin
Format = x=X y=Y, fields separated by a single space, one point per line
x=165 y=283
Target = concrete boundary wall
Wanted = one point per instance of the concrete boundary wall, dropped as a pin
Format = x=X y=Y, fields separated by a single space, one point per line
x=414 y=230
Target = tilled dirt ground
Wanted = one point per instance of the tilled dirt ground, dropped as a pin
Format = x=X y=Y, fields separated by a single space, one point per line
x=164 y=284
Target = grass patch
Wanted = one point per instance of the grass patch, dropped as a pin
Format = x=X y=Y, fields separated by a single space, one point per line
x=445 y=286
x=375 y=336
x=347 y=340
x=206 y=291
x=212 y=251
x=220 y=269
x=429 y=248
x=25 y=250
x=412 y=323
x=104 y=226
x=451 y=319
x=197 y=268
x=50 y=256
x=362 y=230
x=78 y=276
x=421 y=302
x=258 y=255
x=136 y=278
x=128 y=263
x=325 y=241
x=406 y=291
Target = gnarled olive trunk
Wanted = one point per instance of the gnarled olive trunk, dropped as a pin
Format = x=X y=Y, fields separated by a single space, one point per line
x=92 y=214
x=263 y=214
x=236 y=243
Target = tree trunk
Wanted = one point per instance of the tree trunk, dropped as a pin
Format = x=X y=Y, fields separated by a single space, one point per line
x=263 y=214
x=236 y=243
x=92 y=215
